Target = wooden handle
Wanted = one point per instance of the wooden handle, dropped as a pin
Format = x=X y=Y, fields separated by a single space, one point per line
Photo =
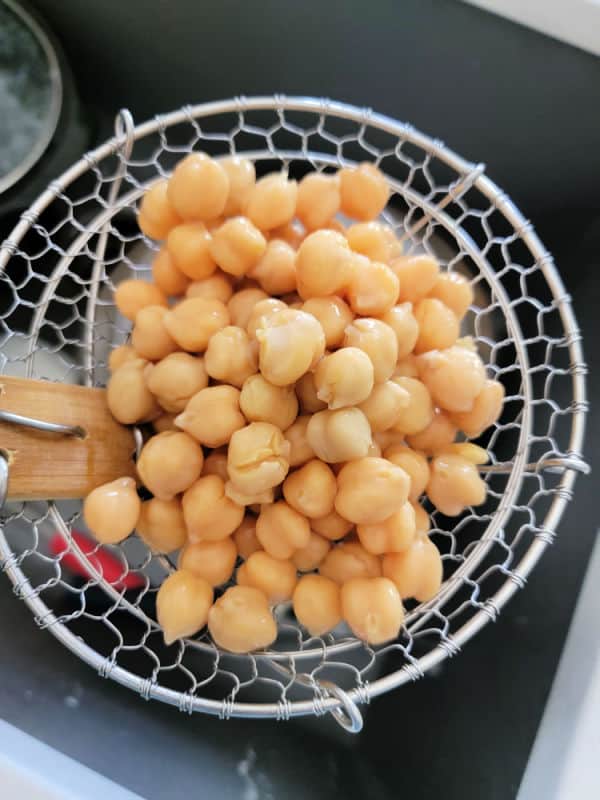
x=45 y=466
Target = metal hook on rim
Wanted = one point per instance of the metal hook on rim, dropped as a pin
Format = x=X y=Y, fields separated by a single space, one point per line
x=347 y=714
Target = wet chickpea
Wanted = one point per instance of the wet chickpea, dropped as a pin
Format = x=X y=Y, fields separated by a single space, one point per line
x=373 y=609
x=393 y=535
x=422 y=520
x=382 y=407
x=149 y=337
x=364 y=191
x=374 y=451
x=216 y=464
x=168 y=278
x=133 y=295
x=440 y=432
x=402 y=321
x=128 y=398
x=198 y=188
x=176 y=379
x=300 y=449
x=245 y=537
x=213 y=561
x=275 y=577
x=331 y=526
x=407 y=368
x=182 y=605
x=333 y=314
x=487 y=407
x=166 y=422
x=257 y=458
x=414 y=464
x=317 y=604
x=237 y=245
x=340 y=435
x=241 y=304
x=292 y=232
x=455 y=484
x=240 y=620
x=209 y=514
x=216 y=287
x=417 y=275
x=344 y=378
x=192 y=322
x=418 y=413
x=309 y=557
x=263 y=310
x=417 y=572
x=157 y=216
x=318 y=199
x=349 y=560
x=454 y=291
x=373 y=288
x=169 y=463
x=252 y=499
x=306 y=392
x=188 y=245
x=120 y=355
x=272 y=201
x=378 y=341
x=212 y=416
x=311 y=489
x=374 y=240
x=282 y=530
x=290 y=343
x=275 y=271
x=161 y=525
x=438 y=325
x=454 y=377
x=388 y=438
x=111 y=511
x=260 y=401
x=323 y=264
x=242 y=177
x=471 y=452
x=230 y=356
x=371 y=490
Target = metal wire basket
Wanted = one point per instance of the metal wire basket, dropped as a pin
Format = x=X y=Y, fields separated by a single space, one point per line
x=57 y=320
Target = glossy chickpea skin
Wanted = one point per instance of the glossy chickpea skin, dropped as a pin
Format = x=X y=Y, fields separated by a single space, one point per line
x=257 y=458
x=275 y=271
x=237 y=245
x=240 y=620
x=414 y=464
x=249 y=498
x=318 y=199
x=317 y=604
x=260 y=401
x=349 y=560
x=133 y=295
x=127 y=395
x=300 y=449
x=306 y=392
x=339 y=435
x=242 y=177
x=378 y=341
x=309 y=557
x=371 y=490
x=212 y=416
x=438 y=325
x=417 y=572
x=241 y=305
x=311 y=489
x=402 y=321
x=422 y=520
x=216 y=287
x=188 y=246
x=193 y=321
x=120 y=355
x=166 y=276
x=209 y=514
x=111 y=511
x=161 y=525
x=454 y=291
x=157 y=216
x=182 y=605
x=454 y=377
x=373 y=609
x=417 y=414
x=373 y=287
x=198 y=188
x=374 y=240
x=323 y=264
x=290 y=343
x=165 y=422
x=176 y=379
x=150 y=337
x=364 y=191
x=393 y=535
x=344 y=378
x=417 y=275
x=487 y=407
x=455 y=484
x=440 y=433
x=230 y=356
x=384 y=404
x=275 y=577
x=407 y=368
x=281 y=530
x=334 y=315
x=213 y=561
x=169 y=463
x=262 y=311
x=272 y=201
x=245 y=538
x=331 y=526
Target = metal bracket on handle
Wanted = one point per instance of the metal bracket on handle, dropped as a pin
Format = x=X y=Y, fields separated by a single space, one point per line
x=556 y=465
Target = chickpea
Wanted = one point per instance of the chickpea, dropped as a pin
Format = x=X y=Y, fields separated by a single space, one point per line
x=166 y=422
x=240 y=620
x=344 y=378
x=260 y=401
x=374 y=240
x=311 y=489
x=317 y=604
x=168 y=278
x=487 y=407
x=318 y=199
x=127 y=396
x=169 y=463
x=349 y=560
x=245 y=537
x=417 y=572
x=281 y=530
x=175 y=379
x=198 y=188
x=472 y=452
x=216 y=287
x=364 y=191
x=263 y=310
x=272 y=201
x=382 y=407
x=373 y=609
x=407 y=368
x=418 y=414
x=333 y=314
x=340 y=435
x=373 y=288
x=149 y=337
x=213 y=561
x=241 y=304
x=275 y=577
x=374 y=451
x=393 y=535
x=188 y=246
x=275 y=271
x=242 y=177
x=378 y=341
x=402 y=321
x=121 y=355
x=182 y=605
x=237 y=246
x=417 y=275
x=455 y=484
x=323 y=264
x=331 y=526
x=161 y=525
x=436 y=436
x=438 y=325
x=388 y=438
x=290 y=343
x=209 y=514
x=157 y=216
x=422 y=520
x=293 y=233
x=133 y=295
x=300 y=449
x=308 y=558
x=306 y=392
x=249 y=499
x=257 y=458
x=192 y=322
x=212 y=416
x=371 y=490
x=231 y=356
x=454 y=377
x=414 y=464
x=454 y=291
x=216 y=464
x=111 y=511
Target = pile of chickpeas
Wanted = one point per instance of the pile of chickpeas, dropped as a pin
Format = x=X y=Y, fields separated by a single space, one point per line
x=306 y=383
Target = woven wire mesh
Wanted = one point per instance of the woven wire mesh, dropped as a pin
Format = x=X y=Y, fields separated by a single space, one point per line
x=58 y=321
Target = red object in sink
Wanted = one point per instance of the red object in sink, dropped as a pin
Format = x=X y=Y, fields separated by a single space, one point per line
x=101 y=560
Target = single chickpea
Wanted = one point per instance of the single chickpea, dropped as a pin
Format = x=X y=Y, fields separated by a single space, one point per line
x=260 y=401
x=242 y=177
x=272 y=201
x=364 y=191
x=311 y=489
x=161 y=525
x=373 y=609
x=212 y=416
x=241 y=304
x=231 y=356
x=306 y=392
x=454 y=377
x=487 y=407
x=192 y=322
x=133 y=295
x=282 y=530
x=263 y=310
x=331 y=526
x=373 y=287
x=471 y=452
x=378 y=341
x=257 y=458
x=455 y=484
x=438 y=325
x=393 y=535
x=111 y=511
x=168 y=278
x=166 y=422
x=127 y=396
x=340 y=435
x=317 y=604
x=120 y=355
x=240 y=620
x=388 y=438
x=198 y=188
x=275 y=271
x=383 y=406
x=169 y=463
x=371 y=490
x=216 y=464
x=333 y=314
x=454 y=291
x=249 y=499
x=422 y=520
x=237 y=245
x=374 y=451
x=374 y=240
x=275 y=577
x=308 y=558
x=209 y=514
x=318 y=199
x=300 y=449
x=188 y=245
x=349 y=560
x=157 y=216
x=323 y=264
x=292 y=232
x=407 y=368
x=414 y=464
x=149 y=337
x=182 y=605
x=344 y=378
x=417 y=572
x=417 y=275
x=402 y=321
x=290 y=343
x=440 y=432
x=213 y=561
x=216 y=287
x=176 y=379
x=418 y=414
x=245 y=537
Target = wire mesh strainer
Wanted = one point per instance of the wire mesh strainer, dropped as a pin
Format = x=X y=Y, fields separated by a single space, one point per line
x=57 y=320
